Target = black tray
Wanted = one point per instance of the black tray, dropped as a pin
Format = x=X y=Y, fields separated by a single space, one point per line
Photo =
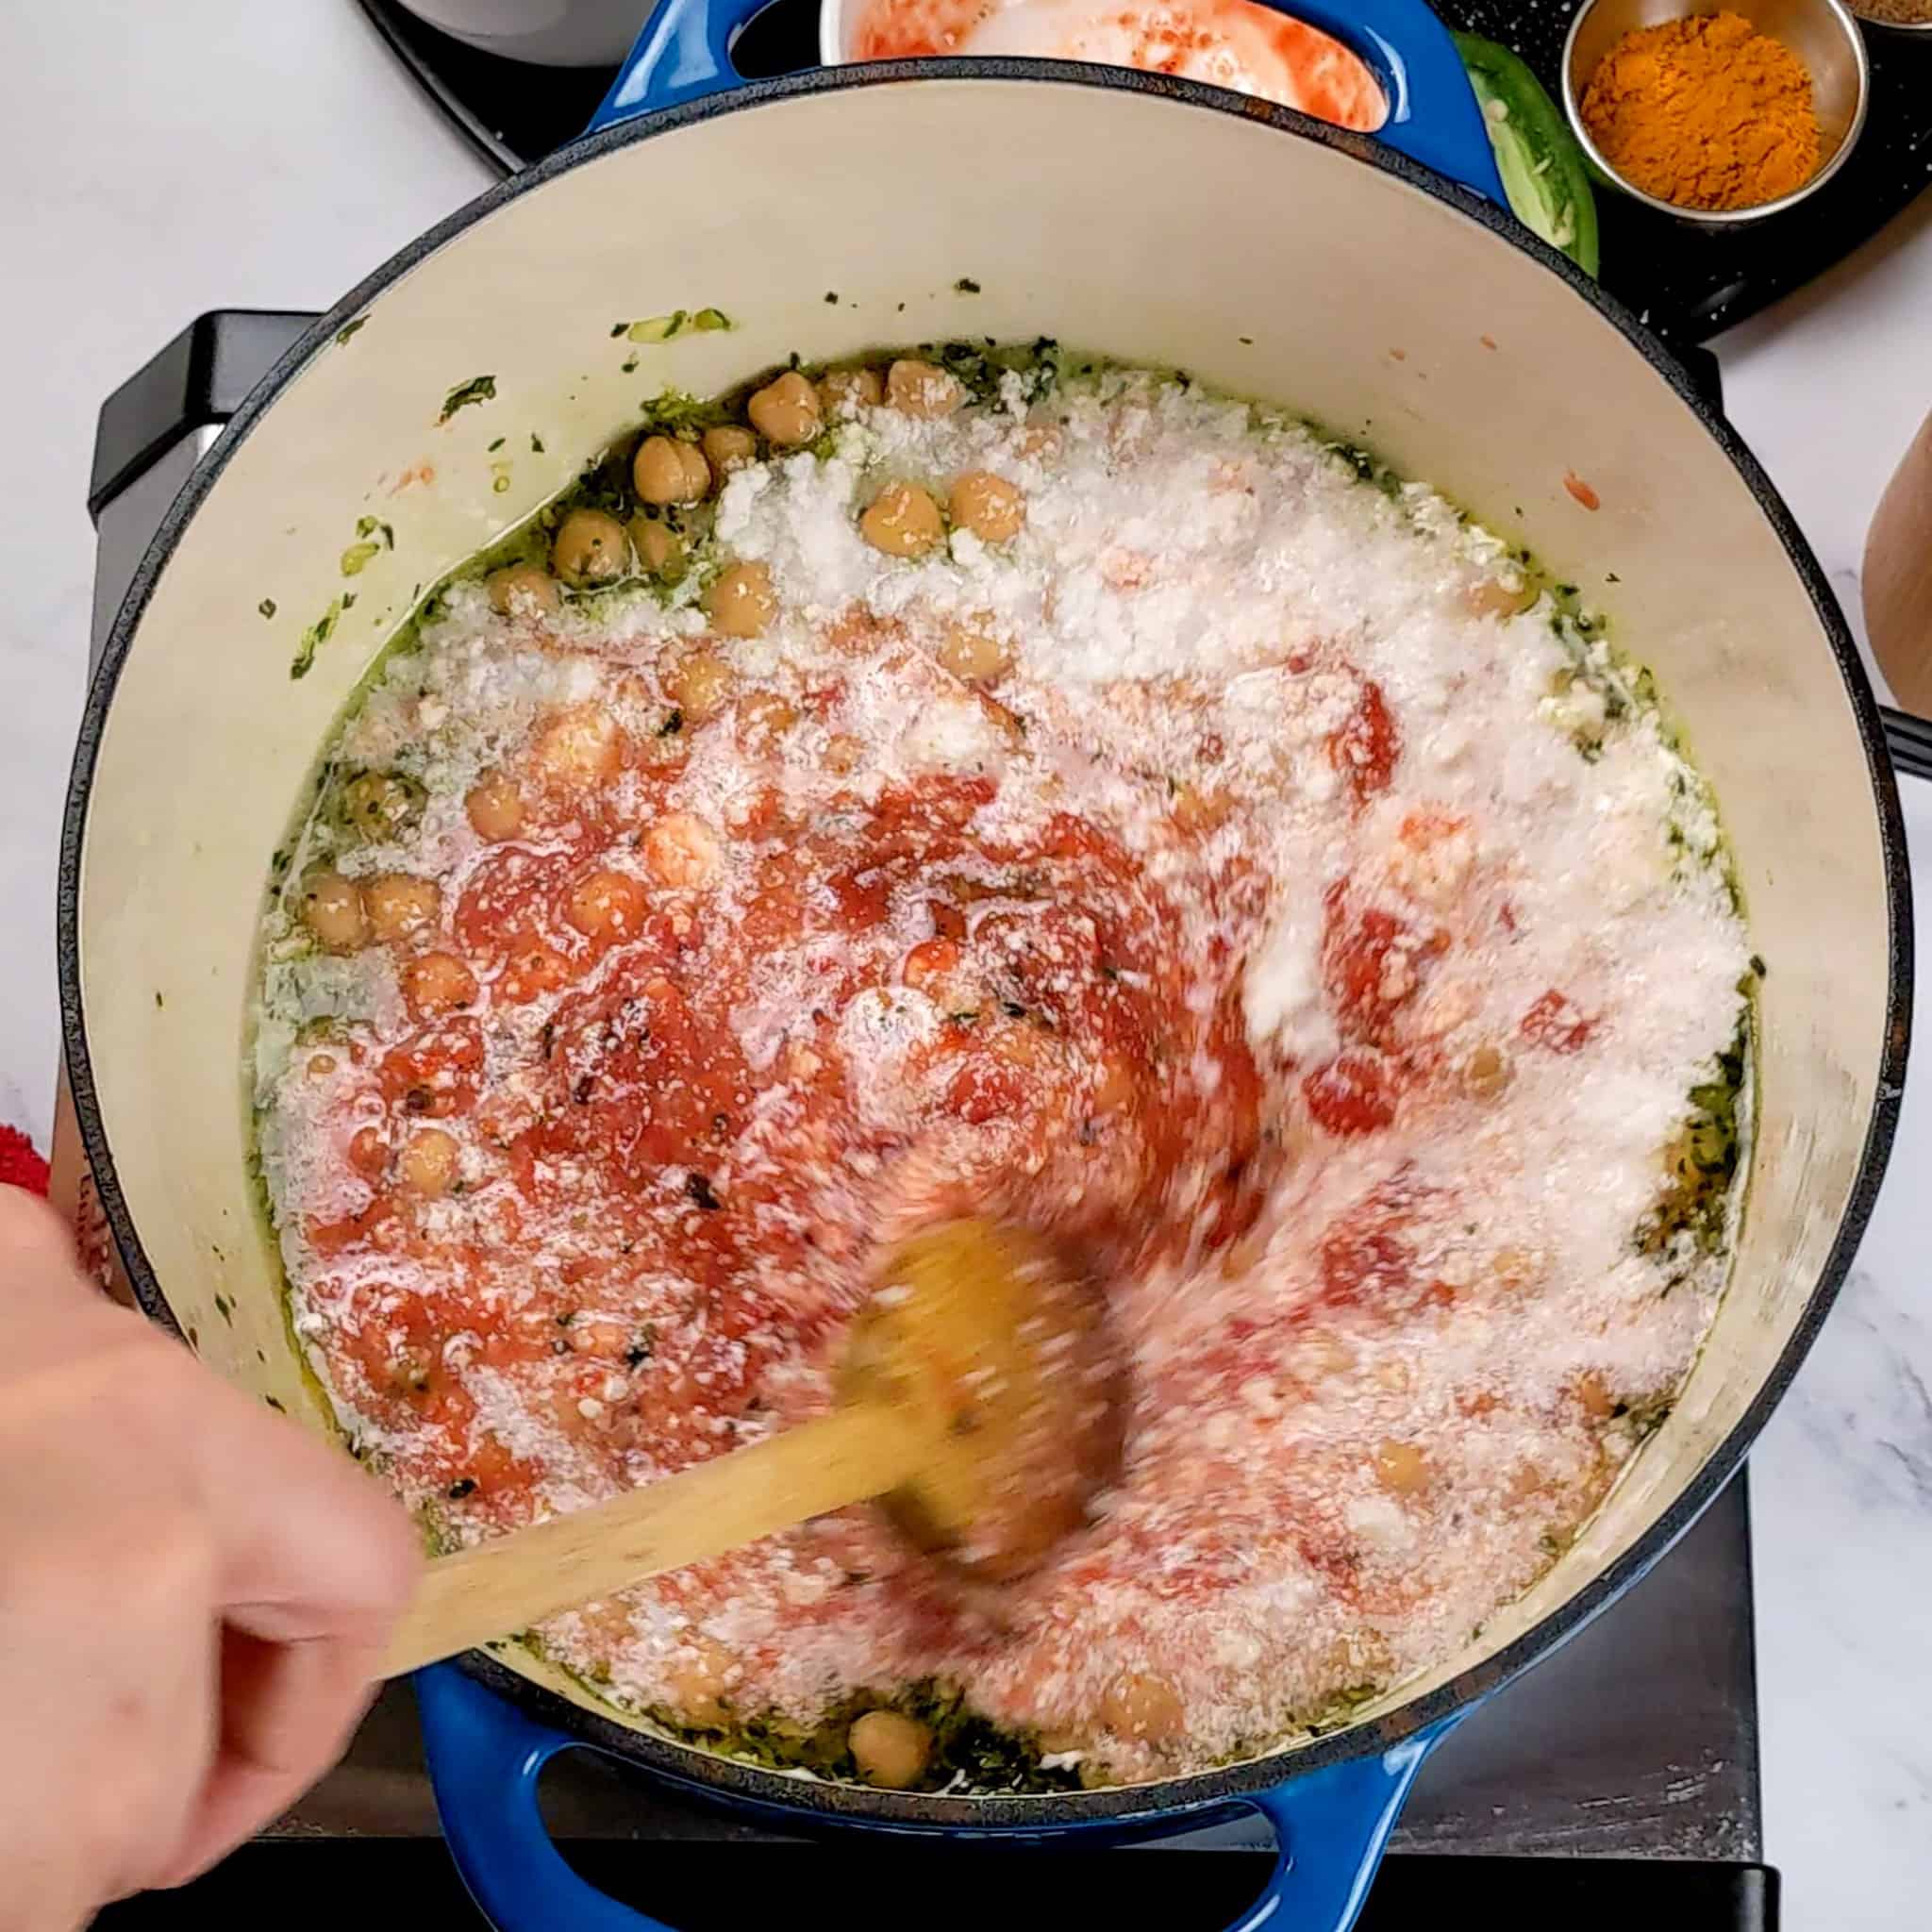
x=1688 y=283
x=1692 y=282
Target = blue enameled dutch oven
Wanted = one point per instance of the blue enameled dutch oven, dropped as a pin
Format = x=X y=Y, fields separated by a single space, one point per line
x=832 y=212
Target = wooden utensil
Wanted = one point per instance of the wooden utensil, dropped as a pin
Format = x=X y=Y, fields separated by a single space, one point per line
x=979 y=1399
x=1896 y=578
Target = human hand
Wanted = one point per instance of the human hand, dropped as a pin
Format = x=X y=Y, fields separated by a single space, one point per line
x=194 y=1595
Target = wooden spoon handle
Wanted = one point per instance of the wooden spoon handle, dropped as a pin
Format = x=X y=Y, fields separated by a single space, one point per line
x=516 y=1580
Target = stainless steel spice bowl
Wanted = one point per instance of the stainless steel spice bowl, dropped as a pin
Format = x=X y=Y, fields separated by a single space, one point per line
x=1821 y=33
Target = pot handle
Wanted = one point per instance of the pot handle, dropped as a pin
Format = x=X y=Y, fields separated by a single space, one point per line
x=1331 y=1828
x=485 y=1758
x=684 y=53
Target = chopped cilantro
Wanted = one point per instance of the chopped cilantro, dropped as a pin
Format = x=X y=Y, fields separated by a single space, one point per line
x=356 y=559
x=315 y=637
x=267 y=606
x=479 y=389
x=659 y=328
x=536 y=444
x=966 y=286
x=617 y=328
x=348 y=330
x=497 y=444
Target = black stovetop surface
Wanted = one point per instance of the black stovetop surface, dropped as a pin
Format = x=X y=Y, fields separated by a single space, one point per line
x=1618 y=1777
x=834 y=1888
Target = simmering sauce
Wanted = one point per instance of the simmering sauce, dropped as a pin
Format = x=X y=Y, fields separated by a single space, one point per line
x=1062 y=792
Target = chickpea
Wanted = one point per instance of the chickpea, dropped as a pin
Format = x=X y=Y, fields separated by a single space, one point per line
x=666 y=471
x=698 y=1684
x=1333 y=1354
x=739 y=600
x=495 y=808
x=785 y=412
x=1493 y=598
x=683 y=851
x=903 y=521
x=661 y=549
x=1138 y=1704
x=606 y=905
x=522 y=586
x=428 y=1163
x=368 y=1153
x=1515 y=1269
x=582 y=745
x=590 y=547
x=728 y=446
x=1195 y=810
x=1486 y=1073
x=1396 y=1377
x=401 y=908
x=438 y=983
x=1400 y=1467
x=1524 y=1485
x=847 y=391
x=989 y=506
x=929 y=963
x=700 y=683
x=971 y=651
x=890 y=1749
x=333 y=910
x=1599 y=1404
x=764 y=715
x=922 y=389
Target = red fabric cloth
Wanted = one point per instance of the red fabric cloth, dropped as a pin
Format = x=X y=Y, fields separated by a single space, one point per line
x=20 y=1166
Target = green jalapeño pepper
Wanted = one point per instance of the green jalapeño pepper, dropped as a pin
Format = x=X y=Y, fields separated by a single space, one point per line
x=1541 y=166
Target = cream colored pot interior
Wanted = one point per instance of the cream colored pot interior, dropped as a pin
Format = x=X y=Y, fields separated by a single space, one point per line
x=1153 y=229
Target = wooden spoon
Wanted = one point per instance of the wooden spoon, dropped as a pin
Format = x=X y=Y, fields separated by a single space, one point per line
x=979 y=1399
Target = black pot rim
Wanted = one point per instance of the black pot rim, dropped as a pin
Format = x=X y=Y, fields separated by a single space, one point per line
x=1142 y=1806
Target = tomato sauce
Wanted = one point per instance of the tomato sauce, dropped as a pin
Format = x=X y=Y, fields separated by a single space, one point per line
x=1071 y=1078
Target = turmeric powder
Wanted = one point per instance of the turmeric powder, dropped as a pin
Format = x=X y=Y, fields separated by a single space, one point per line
x=1704 y=113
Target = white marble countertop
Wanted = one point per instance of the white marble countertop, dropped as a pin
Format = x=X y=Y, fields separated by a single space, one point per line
x=162 y=160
